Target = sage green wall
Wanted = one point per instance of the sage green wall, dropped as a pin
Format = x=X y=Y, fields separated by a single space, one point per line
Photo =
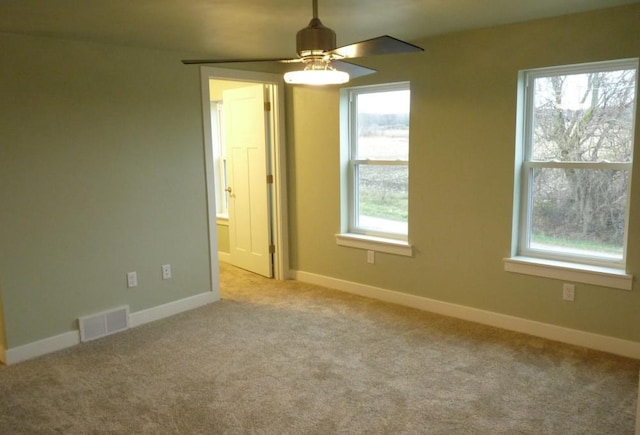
x=101 y=173
x=463 y=97
x=3 y=340
x=223 y=238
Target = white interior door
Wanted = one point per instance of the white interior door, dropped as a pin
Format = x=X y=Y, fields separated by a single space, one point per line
x=249 y=208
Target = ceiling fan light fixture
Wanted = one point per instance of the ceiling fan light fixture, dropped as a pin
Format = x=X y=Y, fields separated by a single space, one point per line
x=317 y=76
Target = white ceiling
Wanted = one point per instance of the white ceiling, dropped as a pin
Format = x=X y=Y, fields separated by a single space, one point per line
x=265 y=28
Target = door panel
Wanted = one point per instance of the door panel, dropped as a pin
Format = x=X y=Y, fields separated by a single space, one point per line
x=246 y=144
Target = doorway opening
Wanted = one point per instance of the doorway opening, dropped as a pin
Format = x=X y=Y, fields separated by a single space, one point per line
x=243 y=114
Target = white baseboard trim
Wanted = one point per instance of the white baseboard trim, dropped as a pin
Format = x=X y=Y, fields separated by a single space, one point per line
x=172 y=308
x=42 y=347
x=224 y=256
x=576 y=337
x=72 y=338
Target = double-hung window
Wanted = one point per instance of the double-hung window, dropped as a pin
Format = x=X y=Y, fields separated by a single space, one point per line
x=377 y=166
x=575 y=162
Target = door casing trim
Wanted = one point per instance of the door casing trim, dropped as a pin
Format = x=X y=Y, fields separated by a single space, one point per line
x=277 y=151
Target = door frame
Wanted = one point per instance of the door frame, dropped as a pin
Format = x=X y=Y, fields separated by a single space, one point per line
x=278 y=165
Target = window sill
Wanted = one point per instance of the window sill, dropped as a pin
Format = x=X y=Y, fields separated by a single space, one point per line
x=602 y=276
x=379 y=244
x=222 y=220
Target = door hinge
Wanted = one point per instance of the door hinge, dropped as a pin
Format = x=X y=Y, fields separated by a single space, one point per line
x=267 y=106
x=272 y=249
x=269 y=179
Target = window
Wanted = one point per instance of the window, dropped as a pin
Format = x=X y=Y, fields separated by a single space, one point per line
x=219 y=159
x=575 y=162
x=375 y=123
x=379 y=160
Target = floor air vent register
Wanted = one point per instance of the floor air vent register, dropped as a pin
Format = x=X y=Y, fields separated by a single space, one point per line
x=104 y=323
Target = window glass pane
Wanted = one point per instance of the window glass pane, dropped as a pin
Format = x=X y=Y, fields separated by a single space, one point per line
x=579 y=211
x=584 y=117
x=383 y=125
x=383 y=192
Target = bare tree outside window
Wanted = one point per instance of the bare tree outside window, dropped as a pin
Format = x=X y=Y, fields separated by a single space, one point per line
x=578 y=161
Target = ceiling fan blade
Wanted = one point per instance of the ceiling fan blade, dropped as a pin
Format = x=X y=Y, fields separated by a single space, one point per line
x=281 y=67
x=351 y=68
x=212 y=61
x=381 y=45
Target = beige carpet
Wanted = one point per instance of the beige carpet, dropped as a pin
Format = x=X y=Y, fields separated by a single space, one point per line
x=292 y=358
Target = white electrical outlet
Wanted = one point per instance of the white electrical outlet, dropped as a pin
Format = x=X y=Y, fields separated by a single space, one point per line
x=568 y=292
x=166 y=271
x=132 y=279
x=371 y=257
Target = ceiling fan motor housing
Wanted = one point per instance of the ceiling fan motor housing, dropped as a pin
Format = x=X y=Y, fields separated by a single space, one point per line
x=315 y=39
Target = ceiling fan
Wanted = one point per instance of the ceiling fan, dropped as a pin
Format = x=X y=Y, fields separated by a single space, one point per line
x=323 y=62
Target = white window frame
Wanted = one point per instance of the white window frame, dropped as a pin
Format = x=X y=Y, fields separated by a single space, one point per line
x=352 y=235
x=219 y=162
x=575 y=267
